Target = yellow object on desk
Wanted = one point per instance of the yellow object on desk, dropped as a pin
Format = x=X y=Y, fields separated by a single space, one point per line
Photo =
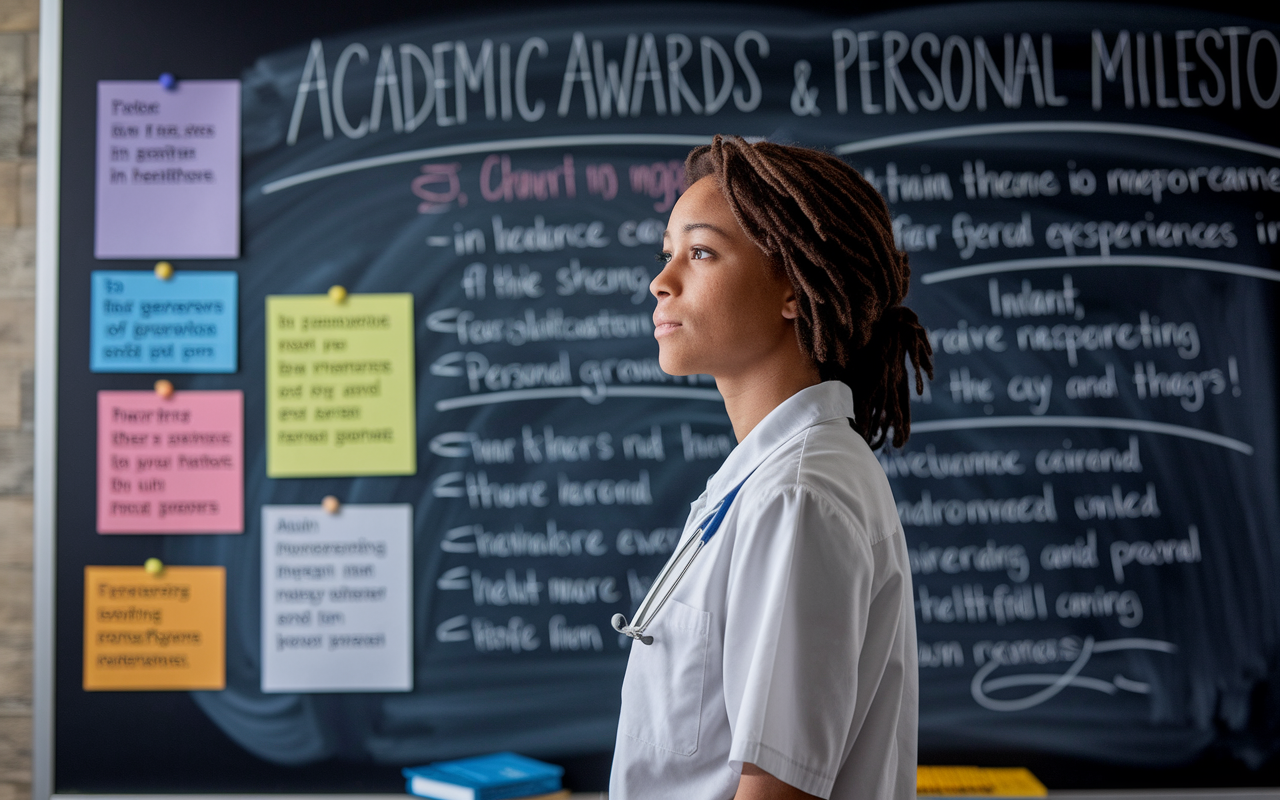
x=978 y=782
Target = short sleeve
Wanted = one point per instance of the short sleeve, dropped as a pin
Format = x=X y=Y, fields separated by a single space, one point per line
x=798 y=595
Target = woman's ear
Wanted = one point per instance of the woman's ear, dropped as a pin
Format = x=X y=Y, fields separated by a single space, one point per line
x=790 y=305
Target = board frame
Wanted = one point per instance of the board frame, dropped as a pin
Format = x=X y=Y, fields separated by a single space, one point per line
x=48 y=197
x=48 y=229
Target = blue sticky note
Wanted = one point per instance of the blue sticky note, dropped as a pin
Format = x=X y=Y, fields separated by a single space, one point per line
x=139 y=323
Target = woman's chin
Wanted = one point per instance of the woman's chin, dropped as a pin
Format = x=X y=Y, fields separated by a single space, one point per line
x=674 y=363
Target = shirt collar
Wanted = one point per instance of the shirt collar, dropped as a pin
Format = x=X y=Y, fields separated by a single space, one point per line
x=804 y=409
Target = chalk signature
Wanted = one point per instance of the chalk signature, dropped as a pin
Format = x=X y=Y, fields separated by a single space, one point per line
x=982 y=687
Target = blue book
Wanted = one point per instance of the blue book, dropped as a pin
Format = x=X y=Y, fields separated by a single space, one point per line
x=493 y=777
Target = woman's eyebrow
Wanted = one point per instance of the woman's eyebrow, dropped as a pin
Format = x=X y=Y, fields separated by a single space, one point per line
x=707 y=225
x=693 y=226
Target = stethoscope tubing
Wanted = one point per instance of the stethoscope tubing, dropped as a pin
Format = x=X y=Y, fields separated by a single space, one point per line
x=701 y=535
x=642 y=619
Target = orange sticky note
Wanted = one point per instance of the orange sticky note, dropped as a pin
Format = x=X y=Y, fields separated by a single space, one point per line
x=161 y=632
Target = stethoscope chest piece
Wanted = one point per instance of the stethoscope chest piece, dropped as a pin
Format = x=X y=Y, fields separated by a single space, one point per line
x=620 y=625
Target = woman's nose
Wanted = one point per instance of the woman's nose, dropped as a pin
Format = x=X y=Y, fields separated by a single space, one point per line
x=664 y=282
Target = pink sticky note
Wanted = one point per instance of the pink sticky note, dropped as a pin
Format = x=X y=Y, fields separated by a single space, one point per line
x=171 y=465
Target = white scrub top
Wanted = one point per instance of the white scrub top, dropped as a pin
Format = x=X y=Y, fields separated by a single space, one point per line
x=790 y=643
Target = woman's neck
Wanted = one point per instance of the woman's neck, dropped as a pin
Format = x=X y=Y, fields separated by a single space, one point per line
x=750 y=397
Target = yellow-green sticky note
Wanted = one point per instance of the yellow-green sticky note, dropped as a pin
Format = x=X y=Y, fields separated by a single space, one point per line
x=340 y=382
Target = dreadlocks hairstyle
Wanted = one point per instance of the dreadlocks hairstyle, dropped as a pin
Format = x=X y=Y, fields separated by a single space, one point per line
x=829 y=230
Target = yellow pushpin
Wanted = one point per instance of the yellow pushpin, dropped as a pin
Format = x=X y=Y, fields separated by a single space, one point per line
x=164 y=388
x=330 y=504
x=164 y=270
x=153 y=566
x=338 y=294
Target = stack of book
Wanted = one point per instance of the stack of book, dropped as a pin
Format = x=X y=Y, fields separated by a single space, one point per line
x=500 y=776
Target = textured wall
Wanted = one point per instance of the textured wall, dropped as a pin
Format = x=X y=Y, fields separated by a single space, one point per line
x=18 y=61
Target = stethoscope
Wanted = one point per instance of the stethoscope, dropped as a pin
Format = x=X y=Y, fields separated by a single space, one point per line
x=701 y=535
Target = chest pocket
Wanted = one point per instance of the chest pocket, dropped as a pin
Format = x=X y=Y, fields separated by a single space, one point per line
x=662 y=691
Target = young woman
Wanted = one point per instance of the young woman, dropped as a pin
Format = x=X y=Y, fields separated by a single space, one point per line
x=775 y=656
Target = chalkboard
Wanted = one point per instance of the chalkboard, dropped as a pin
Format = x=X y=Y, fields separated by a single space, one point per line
x=1089 y=198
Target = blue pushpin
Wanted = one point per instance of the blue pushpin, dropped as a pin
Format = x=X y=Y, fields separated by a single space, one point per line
x=168 y=81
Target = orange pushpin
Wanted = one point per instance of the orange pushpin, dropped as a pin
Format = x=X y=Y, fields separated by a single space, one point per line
x=153 y=566
x=164 y=388
x=330 y=504
x=338 y=294
x=164 y=270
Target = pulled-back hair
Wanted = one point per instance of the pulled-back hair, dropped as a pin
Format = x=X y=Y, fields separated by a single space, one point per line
x=829 y=231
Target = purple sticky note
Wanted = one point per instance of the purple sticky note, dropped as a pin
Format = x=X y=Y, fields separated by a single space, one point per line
x=168 y=170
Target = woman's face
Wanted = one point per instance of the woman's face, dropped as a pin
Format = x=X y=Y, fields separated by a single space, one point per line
x=723 y=309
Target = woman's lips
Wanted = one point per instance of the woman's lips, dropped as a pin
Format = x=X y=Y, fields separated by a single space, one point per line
x=661 y=329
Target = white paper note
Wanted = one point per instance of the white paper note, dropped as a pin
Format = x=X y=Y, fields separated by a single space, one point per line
x=336 y=595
